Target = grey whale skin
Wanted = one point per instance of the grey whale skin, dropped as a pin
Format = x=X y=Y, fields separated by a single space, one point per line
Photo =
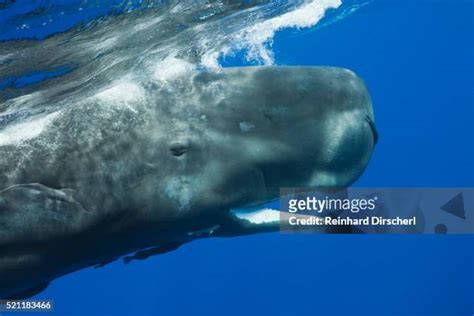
x=110 y=177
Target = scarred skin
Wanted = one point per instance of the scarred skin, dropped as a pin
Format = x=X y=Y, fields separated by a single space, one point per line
x=157 y=164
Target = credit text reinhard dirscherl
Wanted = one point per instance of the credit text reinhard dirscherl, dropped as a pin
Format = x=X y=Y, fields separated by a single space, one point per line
x=349 y=206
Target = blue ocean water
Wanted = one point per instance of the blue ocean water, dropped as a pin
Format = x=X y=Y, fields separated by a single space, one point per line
x=417 y=58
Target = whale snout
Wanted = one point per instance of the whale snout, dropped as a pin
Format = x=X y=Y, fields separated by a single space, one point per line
x=319 y=123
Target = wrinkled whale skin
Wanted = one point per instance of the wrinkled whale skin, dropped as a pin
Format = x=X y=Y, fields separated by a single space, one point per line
x=110 y=175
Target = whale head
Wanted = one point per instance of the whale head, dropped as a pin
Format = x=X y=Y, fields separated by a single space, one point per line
x=234 y=137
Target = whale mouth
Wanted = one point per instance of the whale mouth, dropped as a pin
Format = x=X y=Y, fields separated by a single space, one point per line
x=373 y=129
x=257 y=215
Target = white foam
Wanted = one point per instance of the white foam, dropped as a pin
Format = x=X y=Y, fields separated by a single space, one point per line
x=305 y=16
x=122 y=91
x=210 y=59
x=25 y=131
x=170 y=68
x=102 y=44
x=255 y=38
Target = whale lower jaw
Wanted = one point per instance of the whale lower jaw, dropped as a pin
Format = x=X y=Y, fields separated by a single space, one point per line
x=257 y=215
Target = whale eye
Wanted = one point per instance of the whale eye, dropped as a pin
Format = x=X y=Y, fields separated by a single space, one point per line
x=178 y=149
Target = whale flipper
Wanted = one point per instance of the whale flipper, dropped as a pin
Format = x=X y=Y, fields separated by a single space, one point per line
x=36 y=224
x=34 y=212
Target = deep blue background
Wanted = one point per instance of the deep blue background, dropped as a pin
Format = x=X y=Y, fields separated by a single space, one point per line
x=417 y=59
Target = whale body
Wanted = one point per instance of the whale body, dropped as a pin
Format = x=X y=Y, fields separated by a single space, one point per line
x=140 y=168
